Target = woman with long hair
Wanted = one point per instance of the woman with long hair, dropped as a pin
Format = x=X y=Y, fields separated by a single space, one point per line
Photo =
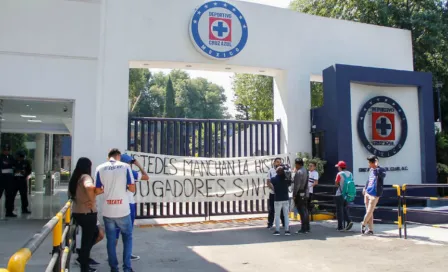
x=82 y=191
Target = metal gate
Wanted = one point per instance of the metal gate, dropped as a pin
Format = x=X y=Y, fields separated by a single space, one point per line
x=203 y=138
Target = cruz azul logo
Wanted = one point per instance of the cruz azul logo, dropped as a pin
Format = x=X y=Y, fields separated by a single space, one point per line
x=382 y=126
x=218 y=30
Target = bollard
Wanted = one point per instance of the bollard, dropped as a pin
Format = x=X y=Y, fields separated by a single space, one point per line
x=399 y=208
x=57 y=242
x=68 y=217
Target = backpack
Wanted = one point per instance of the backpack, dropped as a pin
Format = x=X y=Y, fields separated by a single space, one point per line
x=349 y=190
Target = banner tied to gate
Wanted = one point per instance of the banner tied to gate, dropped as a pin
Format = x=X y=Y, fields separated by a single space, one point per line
x=192 y=179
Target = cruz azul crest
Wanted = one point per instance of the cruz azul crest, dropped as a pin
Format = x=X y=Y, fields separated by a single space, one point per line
x=382 y=126
x=218 y=30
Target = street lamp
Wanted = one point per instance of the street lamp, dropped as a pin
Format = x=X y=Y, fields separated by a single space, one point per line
x=439 y=86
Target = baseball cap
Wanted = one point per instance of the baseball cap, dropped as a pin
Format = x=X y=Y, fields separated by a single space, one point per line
x=126 y=158
x=341 y=164
x=298 y=160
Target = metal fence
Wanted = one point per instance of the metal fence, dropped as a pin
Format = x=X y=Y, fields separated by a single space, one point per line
x=203 y=138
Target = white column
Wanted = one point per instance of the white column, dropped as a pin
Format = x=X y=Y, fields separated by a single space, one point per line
x=292 y=104
x=39 y=161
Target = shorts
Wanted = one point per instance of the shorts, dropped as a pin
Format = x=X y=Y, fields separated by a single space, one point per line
x=133 y=208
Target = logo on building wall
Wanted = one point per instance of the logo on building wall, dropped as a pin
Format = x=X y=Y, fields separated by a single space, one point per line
x=382 y=126
x=218 y=30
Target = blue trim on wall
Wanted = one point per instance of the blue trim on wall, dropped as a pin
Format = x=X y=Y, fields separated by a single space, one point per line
x=66 y=146
x=335 y=116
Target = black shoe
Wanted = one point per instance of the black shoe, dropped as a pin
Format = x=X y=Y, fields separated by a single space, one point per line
x=340 y=229
x=369 y=233
x=135 y=257
x=93 y=262
x=91 y=269
x=11 y=215
x=363 y=229
x=269 y=226
x=287 y=233
x=26 y=212
x=349 y=226
x=301 y=232
x=276 y=233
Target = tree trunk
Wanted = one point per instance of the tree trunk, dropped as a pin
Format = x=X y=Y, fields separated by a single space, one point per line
x=57 y=151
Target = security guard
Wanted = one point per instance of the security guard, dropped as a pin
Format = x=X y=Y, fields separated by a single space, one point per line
x=7 y=179
x=22 y=170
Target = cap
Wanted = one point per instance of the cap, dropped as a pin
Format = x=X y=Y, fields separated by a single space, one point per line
x=341 y=164
x=126 y=158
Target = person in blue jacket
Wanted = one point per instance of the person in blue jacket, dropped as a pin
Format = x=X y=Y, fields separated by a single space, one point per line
x=372 y=193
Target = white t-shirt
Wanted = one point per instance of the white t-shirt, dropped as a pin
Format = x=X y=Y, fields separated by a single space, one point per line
x=114 y=176
x=137 y=176
x=312 y=177
x=271 y=174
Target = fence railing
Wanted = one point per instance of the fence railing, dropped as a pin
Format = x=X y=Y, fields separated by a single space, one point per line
x=203 y=138
x=59 y=225
x=405 y=208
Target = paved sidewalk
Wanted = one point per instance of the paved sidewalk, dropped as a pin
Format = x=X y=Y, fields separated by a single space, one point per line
x=246 y=245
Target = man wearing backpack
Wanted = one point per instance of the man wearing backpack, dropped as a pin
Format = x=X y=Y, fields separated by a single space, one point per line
x=344 y=195
x=372 y=192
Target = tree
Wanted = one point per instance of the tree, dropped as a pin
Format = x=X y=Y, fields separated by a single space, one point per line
x=317 y=94
x=254 y=95
x=170 y=106
x=16 y=142
x=426 y=19
x=139 y=84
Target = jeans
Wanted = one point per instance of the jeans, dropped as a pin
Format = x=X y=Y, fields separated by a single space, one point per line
x=342 y=212
x=302 y=206
x=125 y=225
x=87 y=221
x=133 y=207
x=272 y=212
x=281 y=206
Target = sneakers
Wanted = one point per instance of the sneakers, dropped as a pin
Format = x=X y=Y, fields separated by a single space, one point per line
x=11 y=215
x=93 y=262
x=287 y=233
x=349 y=226
x=301 y=232
x=363 y=229
x=91 y=269
x=26 y=212
x=369 y=233
x=276 y=233
x=135 y=257
x=340 y=229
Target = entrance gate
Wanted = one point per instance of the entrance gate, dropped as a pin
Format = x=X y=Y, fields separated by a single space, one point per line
x=203 y=138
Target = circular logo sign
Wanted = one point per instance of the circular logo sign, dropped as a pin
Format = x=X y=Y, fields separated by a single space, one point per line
x=382 y=126
x=218 y=30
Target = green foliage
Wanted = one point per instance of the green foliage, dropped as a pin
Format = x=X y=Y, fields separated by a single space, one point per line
x=170 y=105
x=16 y=141
x=317 y=94
x=426 y=19
x=254 y=96
x=320 y=164
x=187 y=98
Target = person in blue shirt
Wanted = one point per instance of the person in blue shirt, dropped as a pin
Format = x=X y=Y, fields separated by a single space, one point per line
x=372 y=193
x=280 y=185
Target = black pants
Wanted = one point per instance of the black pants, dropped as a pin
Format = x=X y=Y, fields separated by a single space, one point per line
x=310 y=205
x=272 y=212
x=21 y=186
x=9 y=187
x=342 y=212
x=87 y=221
x=302 y=206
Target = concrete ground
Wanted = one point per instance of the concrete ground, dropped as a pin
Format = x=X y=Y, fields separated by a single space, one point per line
x=249 y=246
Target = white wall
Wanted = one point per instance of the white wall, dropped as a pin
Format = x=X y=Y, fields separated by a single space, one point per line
x=81 y=50
x=410 y=154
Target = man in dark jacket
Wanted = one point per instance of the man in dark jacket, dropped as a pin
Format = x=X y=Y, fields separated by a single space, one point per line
x=301 y=195
x=22 y=170
x=7 y=179
x=280 y=185
x=372 y=193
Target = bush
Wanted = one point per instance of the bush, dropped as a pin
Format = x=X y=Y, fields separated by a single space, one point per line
x=320 y=164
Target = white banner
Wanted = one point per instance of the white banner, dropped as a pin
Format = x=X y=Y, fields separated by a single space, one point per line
x=187 y=179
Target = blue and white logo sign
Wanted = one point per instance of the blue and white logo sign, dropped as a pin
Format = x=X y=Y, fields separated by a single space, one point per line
x=218 y=30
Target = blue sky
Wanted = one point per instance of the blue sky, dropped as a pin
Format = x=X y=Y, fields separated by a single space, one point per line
x=224 y=79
